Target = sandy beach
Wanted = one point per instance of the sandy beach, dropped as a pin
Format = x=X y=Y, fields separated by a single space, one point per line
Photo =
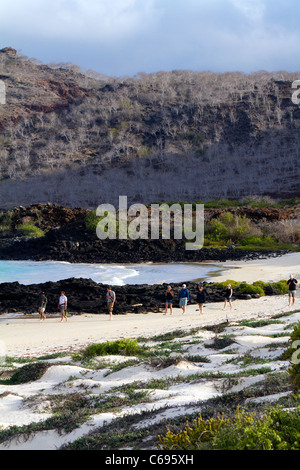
x=268 y=270
x=32 y=337
x=28 y=336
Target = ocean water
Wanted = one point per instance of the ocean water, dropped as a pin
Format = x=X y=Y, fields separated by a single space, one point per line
x=37 y=272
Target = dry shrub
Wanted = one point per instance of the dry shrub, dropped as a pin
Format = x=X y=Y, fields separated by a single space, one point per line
x=286 y=231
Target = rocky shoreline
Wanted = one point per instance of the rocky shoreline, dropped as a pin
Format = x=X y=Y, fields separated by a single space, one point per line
x=75 y=244
x=67 y=239
x=87 y=296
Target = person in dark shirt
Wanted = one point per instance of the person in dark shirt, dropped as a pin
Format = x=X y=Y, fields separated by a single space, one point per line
x=292 y=283
x=228 y=296
x=169 y=300
x=201 y=298
x=42 y=302
x=110 y=300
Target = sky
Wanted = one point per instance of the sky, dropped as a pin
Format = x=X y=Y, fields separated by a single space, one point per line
x=127 y=37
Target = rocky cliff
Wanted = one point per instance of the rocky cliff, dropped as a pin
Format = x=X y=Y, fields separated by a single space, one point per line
x=81 y=139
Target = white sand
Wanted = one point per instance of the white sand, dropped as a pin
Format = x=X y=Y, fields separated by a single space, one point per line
x=268 y=270
x=30 y=336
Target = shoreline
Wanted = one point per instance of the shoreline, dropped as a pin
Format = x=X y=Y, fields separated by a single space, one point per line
x=86 y=295
x=90 y=271
x=230 y=268
x=269 y=270
x=30 y=336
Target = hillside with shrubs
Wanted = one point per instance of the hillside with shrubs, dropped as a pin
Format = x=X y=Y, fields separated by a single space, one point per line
x=79 y=138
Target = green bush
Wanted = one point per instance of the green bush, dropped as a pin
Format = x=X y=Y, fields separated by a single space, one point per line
x=260 y=284
x=27 y=373
x=245 y=288
x=229 y=227
x=224 y=284
x=258 y=287
x=222 y=203
x=29 y=230
x=6 y=218
x=280 y=286
x=123 y=347
x=4 y=228
x=191 y=437
x=258 y=241
x=293 y=354
x=217 y=231
x=91 y=220
x=275 y=430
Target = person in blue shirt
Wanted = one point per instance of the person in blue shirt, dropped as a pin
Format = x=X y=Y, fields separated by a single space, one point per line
x=184 y=297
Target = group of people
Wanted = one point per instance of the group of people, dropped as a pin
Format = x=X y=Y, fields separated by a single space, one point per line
x=183 y=298
x=62 y=306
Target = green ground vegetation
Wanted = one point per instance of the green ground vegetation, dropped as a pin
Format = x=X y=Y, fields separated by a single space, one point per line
x=28 y=229
x=258 y=288
x=231 y=420
x=276 y=429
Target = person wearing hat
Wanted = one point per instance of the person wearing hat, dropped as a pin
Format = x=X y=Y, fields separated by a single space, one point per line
x=183 y=298
x=292 y=283
x=42 y=302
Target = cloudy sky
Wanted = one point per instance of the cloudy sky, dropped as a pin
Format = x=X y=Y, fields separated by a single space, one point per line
x=125 y=37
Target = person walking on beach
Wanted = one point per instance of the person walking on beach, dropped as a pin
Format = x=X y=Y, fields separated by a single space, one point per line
x=42 y=302
x=169 y=300
x=228 y=297
x=292 y=283
x=201 y=298
x=62 y=306
x=110 y=300
x=184 y=296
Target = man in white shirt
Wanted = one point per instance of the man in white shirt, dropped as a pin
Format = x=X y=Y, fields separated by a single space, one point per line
x=62 y=306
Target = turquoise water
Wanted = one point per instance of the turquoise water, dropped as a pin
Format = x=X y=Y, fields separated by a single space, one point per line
x=36 y=272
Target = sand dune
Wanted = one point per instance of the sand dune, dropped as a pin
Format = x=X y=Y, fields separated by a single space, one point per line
x=28 y=336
